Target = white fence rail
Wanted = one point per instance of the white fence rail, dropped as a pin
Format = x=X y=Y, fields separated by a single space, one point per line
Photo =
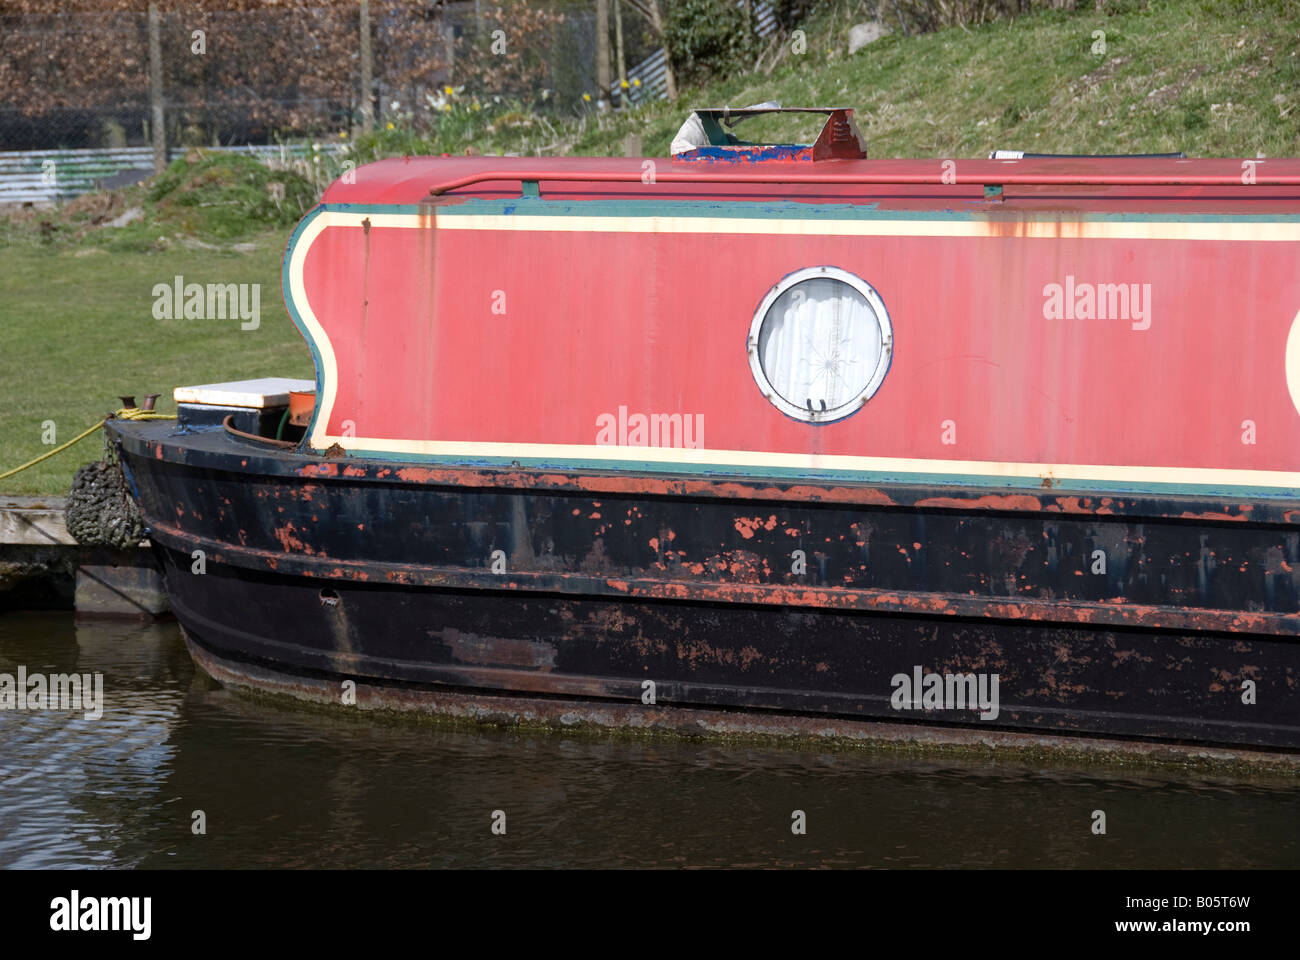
x=46 y=176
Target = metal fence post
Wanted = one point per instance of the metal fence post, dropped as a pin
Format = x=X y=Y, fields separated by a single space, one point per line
x=367 y=77
x=157 y=121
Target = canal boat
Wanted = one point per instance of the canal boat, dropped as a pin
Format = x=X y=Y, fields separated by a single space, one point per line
x=767 y=438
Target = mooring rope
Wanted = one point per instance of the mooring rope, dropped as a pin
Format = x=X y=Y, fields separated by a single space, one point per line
x=100 y=510
x=126 y=413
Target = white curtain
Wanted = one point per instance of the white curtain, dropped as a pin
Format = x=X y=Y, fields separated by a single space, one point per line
x=819 y=342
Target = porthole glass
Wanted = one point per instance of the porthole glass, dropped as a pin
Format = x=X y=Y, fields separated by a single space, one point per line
x=820 y=344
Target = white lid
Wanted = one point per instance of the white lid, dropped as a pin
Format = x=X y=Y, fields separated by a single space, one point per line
x=259 y=394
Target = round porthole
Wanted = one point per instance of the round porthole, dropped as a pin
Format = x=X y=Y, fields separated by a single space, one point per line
x=820 y=344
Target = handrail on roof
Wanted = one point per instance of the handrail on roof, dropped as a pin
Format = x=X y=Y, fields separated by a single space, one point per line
x=939 y=178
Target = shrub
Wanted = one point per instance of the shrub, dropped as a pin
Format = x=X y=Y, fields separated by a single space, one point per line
x=707 y=38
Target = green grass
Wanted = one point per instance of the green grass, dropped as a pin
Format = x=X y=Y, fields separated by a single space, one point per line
x=79 y=330
x=1211 y=77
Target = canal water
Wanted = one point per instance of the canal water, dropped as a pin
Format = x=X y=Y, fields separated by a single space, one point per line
x=283 y=786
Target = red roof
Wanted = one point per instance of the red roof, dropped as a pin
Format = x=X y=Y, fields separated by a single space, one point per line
x=1213 y=185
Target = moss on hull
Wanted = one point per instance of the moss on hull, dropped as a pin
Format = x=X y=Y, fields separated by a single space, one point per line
x=911 y=741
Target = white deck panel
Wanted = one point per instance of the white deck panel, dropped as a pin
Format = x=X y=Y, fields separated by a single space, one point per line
x=258 y=394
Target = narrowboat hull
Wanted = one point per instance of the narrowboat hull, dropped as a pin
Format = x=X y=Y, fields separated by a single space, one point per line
x=796 y=438
x=661 y=600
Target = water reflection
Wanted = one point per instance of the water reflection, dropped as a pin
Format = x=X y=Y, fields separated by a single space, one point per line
x=291 y=787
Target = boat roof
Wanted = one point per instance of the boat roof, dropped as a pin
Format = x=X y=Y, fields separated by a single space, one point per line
x=1230 y=184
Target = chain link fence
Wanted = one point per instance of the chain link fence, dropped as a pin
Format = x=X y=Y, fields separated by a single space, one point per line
x=261 y=72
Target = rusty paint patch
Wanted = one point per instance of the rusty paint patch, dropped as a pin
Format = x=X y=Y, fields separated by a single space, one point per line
x=497 y=651
x=290 y=542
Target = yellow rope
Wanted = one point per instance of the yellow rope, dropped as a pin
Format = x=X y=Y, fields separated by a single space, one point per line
x=135 y=413
x=132 y=413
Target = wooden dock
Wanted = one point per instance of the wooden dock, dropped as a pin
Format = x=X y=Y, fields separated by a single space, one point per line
x=42 y=567
x=33 y=521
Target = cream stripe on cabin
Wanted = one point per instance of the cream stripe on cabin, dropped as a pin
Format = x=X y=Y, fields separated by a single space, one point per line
x=1192 y=476
x=1088 y=229
x=883 y=227
x=1293 y=362
x=298 y=293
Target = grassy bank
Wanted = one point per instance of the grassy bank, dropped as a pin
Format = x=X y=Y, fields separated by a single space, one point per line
x=1212 y=78
x=77 y=302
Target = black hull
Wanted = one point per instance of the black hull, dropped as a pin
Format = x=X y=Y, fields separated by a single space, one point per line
x=324 y=571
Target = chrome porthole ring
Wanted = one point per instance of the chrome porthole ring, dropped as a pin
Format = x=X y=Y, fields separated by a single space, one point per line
x=820 y=344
